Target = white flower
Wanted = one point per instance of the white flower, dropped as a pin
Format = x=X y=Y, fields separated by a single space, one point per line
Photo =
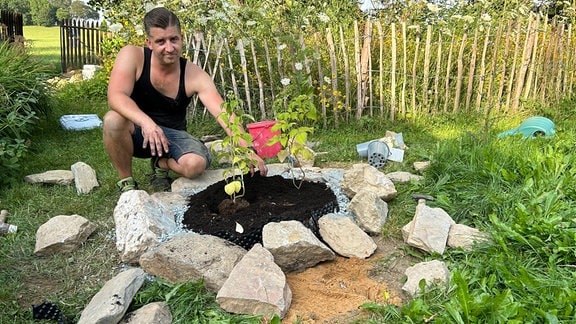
x=432 y=7
x=486 y=17
x=281 y=47
x=285 y=81
x=456 y=17
x=298 y=66
x=221 y=16
x=114 y=28
x=327 y=79
x=186 y=2
x=202 y=21
x=149 y=6
x=468 y=19
x=139 y=30
x=250 y=23
x=323 y=17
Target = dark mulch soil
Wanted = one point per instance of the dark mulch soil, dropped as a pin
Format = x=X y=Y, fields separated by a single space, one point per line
x=267 y=199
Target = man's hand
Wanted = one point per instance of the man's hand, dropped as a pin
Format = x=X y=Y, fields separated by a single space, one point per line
x=154 y=138
x=261 y=165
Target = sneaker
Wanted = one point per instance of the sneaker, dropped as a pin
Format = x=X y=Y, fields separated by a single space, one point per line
x=126 y=184
x=159 y=179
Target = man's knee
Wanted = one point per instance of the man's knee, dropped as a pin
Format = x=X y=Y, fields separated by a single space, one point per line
x=113 y=121
x=193 y=167
x=192 y=172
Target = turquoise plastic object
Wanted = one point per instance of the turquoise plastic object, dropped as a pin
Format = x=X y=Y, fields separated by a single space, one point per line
x=532 y=127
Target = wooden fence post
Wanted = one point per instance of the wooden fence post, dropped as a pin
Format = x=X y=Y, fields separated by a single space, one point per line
x=333 y=74
x=359 y=95
x=526 y=54
x=392 y=113
x=472 y=70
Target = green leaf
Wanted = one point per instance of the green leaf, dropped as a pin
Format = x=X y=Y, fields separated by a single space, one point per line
x=283 y=155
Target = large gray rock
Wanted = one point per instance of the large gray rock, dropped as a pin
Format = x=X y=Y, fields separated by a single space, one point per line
x=433 y=272
x=57 y=177
x=191 y=186
x=371 y=212
x=403 y=177
x=191 y=256
x=463 y=236
x=421 y=166
x=294 y=246
x=256 y=286
x=173 y=203
x=110 y=303
x=429 y=228
x=345 y=237
x=62 y=234
x=140 y=223
x=153 y=313
x=84 y=177
x=363 y=176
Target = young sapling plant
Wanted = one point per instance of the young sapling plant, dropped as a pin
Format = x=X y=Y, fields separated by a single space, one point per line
x=236 y=147
x=295 y=114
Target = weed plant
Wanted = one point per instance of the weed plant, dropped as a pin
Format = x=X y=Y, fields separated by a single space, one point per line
x=23 y=99
x=188 y=302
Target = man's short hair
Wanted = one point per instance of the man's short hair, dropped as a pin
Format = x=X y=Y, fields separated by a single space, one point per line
x=160 y=18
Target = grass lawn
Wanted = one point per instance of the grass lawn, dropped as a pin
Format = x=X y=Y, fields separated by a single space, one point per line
x=44 y=43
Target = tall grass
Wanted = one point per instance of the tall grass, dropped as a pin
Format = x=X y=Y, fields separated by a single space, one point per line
x=521 y=192
x=44 y=44
x=23 y=100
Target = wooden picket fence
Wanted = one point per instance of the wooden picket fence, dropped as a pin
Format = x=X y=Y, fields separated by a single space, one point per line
x=395 y=70
x=11 y=25
x=80 y=43
x=369 y=69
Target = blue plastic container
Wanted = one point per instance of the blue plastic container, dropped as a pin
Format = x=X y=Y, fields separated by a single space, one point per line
x=80 y=122
x=531 y=127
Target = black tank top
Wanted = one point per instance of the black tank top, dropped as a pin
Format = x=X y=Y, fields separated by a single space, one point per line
x=163 y=110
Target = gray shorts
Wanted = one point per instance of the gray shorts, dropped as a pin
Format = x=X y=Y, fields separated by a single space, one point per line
x=180 y=143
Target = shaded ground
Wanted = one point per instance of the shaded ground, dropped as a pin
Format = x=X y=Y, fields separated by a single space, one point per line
x=330 y=292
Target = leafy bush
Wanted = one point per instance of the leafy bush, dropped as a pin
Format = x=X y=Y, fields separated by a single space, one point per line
x=90 y=93
x=23 y=98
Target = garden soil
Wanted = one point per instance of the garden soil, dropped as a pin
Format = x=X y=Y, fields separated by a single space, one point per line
x=330 y=292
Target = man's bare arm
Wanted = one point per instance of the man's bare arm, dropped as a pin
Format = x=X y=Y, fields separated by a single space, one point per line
x=122 y=79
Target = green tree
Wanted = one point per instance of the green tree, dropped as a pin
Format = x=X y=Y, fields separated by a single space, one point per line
x=62 y=13
x=43 y=13
x=79 y=9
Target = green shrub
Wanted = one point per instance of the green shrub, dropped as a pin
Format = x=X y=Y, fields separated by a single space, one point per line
x=82 y=97
x=23 y=99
